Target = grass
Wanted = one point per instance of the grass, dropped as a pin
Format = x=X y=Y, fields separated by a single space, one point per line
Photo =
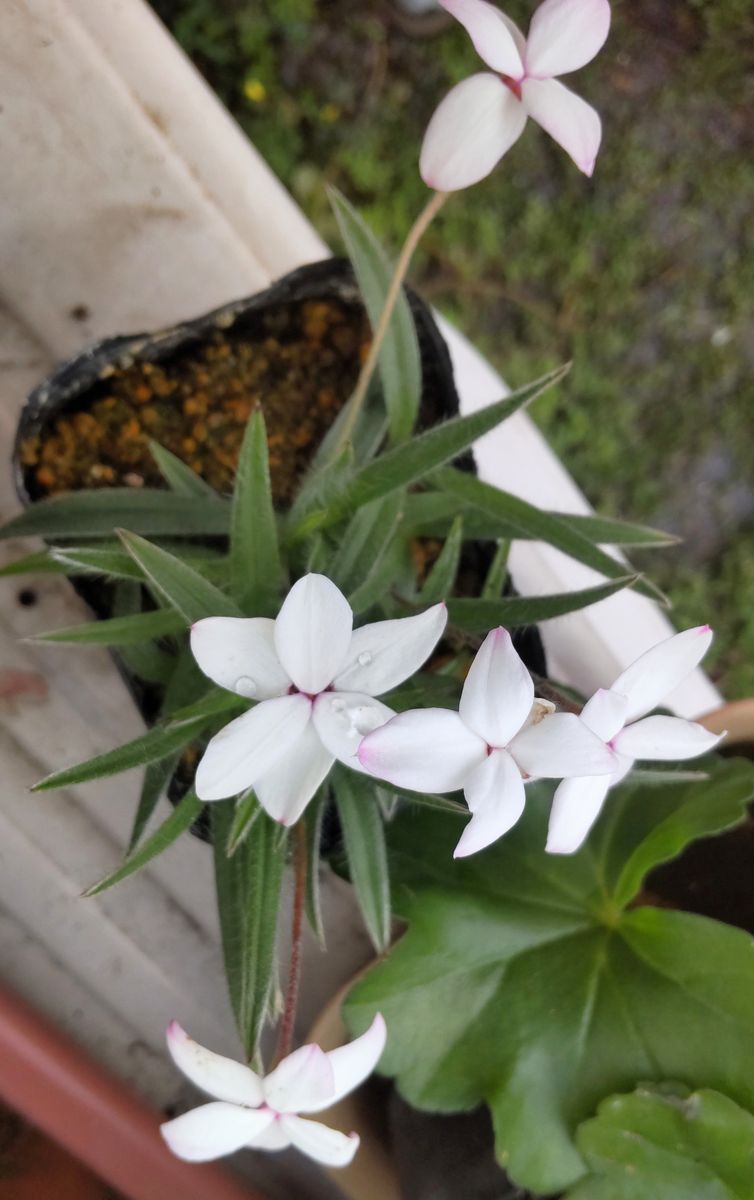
x=643 y=276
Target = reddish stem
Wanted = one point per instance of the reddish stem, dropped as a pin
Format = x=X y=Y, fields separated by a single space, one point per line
x=288 y=1019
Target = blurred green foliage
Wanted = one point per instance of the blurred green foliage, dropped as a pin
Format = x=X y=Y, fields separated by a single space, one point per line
x=644 y=276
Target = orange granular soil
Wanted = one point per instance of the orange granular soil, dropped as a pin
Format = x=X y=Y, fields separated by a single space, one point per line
x=299 y=363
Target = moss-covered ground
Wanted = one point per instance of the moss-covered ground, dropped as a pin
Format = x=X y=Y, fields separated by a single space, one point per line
x=643 y=276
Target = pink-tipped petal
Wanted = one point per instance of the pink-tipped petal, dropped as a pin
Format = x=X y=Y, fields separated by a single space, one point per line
x=565 y=35
x=245 y=749
x=425 y=750
x=385 y=653
x=353 y=1063
x=470 y=131
x=605 y=713
x=238 y=653
x=491 y=33
x=660 y=670
x=285 y=790
x=665 y=739
x=220 y=1077
x=573 y=123
x=495 y=795
x=561 y=746
x=327 y=1146
x=313 y=632
x=343 y=719
x=214 y=1130
x=303 y=1081
x=575 y=808
x=498 y=693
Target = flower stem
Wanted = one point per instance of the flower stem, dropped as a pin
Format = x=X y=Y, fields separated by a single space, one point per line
x=288 y=1019
x=415 y=234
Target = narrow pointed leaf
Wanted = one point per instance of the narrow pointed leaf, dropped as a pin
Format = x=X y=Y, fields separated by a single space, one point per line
x=479 y=616
x=40 y=562
x=248 y=809
x=313 y=819
x=188 y=592
x=178 y=475
x=368 y=529
x=118 y=631
x=255 y=567
x=439 y=583
x=180 y=819
x=98 y=512
x=364 y=840
x=383 y=572
x=498 y=573
x=157 y=776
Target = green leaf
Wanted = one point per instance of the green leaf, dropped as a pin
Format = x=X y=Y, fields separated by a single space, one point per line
x=114 y=563
x=189 y=593
x=313 y=819
x=157 y=776
x=364 y=840
x=498 y=572
x=538 y=524
x=157 y=743
x=663 y=1144
x=423 y=454
x=248 y=809
x=98 y=512
x=179 y=476
x=38 y=563
x=369 y=528
x=477 y=616
x=118 y=631
x=248 y=901
x=387 y=554
x=255 y=567
x=181 y=818
x=399 y=359
x=523 y=981
x=439 y=583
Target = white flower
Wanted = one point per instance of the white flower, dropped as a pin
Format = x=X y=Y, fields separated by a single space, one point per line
x=612 y=713
x=262 y=1112
x=481 y=118
x=315 y=679
x=500 y=737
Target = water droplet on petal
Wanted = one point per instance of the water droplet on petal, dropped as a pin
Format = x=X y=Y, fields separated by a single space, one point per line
x=245 y=686
x=338 y=705
x=364 y=659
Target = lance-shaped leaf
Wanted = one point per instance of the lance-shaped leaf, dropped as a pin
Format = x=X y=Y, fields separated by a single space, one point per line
x=178 y=475
x=118 y=631
x=399 y=359
x=188 y=592
x=477 y=616
x=314 y=819
x=363 y=539
x=180 y=819
x=439 y=582
x=98 y=512
x=667 y=1144
x=255 y=567
x=248 y=899
x=364 y=841
x=523 y=981
x=495 y=578
x=408 y=463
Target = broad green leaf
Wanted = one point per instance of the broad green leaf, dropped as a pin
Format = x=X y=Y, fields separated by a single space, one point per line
x=157 y=776
x=179 y=476
x=478 y=616
x=498 y=572
x=667 y=1144
x=157 y=743
x=181 y=818
x=255 y=567
x=313 y=819
x=364 y=841
x=408 y=463
x=118 y=631
x=536 y=523
x=439 y=582
x=399 y=359
x=188 y=592
x=248 y=810
x=248 y=900
x=523 y=981
x=98 y=512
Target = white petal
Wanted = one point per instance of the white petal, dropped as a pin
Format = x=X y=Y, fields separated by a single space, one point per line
x=575 y=808
x=353 y=1063
x=246 y=748
x=495 y=794
x=560 y=745
x=665 y=739
x=220 y=1077
x=661 y=669
x=342 y=719
x=273 y=1137
x=214 y=1130
x=301 y=1081
x=498 y=693
x=565 y=35
x=469 y=133
x=426 y=750
x=285 y=790
x=385 y=653
x=238 y=653
x=490 y=33
x=573 y=123
x=327 y=1146
x=605 y=713
x=313 y=632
